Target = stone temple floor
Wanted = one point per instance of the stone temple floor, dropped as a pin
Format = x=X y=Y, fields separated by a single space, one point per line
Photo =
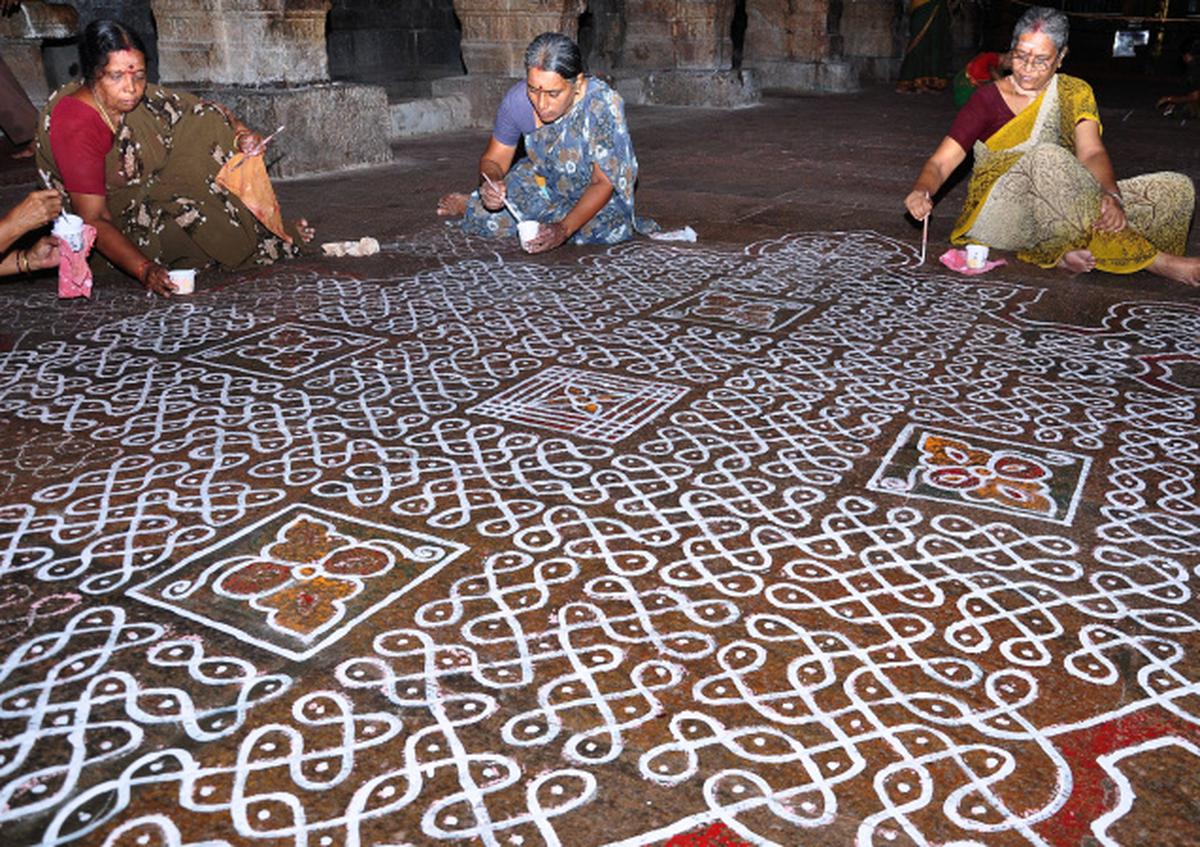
x=780 y=536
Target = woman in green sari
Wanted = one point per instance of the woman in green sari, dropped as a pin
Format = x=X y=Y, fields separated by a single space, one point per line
x=165 y=178
x=1043 y=185
x=929 y=52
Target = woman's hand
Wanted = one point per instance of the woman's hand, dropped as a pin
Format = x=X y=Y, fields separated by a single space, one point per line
x=248 y=142
x=550 y=235
x=492 y=194
x=1112 y=215
x=44 y=254
x=918 y=204
x=36 y=210
x=157 y=280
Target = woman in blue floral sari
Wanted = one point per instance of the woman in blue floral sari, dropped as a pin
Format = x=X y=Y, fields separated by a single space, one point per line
x=579 y=170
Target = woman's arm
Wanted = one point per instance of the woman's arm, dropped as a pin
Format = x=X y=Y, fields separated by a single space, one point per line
x=1090 y=152
x=39 y=257
x=36 y=210
x=118 y=249
x=494 y=164
x=551 y=235
x=245 y=140
x=937 y=169
x=1179 y=99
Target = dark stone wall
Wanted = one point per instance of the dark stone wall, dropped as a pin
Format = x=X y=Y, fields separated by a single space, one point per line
x=602 y=34
x=399 y=45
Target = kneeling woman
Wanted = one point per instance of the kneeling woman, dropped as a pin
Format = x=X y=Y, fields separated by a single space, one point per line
x=1043 y=184
x=579 y=170
x=165 y=178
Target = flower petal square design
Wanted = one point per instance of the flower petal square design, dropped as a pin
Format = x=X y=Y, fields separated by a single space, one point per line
x=590 y=405
x=286 y=350
x=736 y=310
x=985 y=473
x=298 y=580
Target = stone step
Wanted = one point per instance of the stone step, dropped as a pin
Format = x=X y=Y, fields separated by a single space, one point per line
x=428 y=116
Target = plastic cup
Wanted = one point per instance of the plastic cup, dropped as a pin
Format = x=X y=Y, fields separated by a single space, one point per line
x=527 y=230
x=976 y=255
x=69 y=228
x=183 y=280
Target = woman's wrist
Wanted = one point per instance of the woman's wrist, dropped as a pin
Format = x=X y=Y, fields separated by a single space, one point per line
x=143 y=269
x=1116 y=195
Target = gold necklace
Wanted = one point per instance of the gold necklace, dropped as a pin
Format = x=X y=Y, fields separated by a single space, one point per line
x=103 y=112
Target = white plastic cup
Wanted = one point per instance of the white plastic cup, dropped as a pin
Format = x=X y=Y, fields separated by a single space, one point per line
x=183 y=280
x=69 y=228
x=527 y=230
x=976 y=256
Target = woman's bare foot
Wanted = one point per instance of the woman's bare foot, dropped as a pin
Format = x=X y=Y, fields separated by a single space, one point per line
x=1078 y=261
x=1185 y=269
x=306 y=232
x=452 y=205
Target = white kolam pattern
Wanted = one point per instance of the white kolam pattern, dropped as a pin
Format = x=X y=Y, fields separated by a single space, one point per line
x=877 y=545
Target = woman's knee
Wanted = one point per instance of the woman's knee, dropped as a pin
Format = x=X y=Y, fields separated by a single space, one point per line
x=1050 y=156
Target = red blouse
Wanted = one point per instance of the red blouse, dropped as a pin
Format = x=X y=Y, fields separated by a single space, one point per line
x=79 y=141
x=981 y=117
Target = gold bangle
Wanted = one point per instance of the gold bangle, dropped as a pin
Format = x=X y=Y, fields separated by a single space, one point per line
x=23 y=262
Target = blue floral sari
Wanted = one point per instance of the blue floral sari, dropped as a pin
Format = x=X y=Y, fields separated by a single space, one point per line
x=557 y=169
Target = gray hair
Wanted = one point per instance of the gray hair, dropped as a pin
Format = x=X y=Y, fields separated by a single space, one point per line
x=553 y=51
x=1052 y=22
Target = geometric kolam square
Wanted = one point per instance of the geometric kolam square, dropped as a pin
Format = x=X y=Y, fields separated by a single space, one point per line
x=285 y=350
x=590 y=405
x=987 y=473
x=298 y=580
x=737 y=310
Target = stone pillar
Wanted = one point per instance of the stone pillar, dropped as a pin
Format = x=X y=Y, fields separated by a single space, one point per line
x=797 y=44
x=241 y=42
x=678 y=34
x=782 y=31
x=21 y=37
x=495 y=33
x=870 y=38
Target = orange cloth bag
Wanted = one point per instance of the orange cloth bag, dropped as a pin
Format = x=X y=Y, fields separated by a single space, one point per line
x=245 y=177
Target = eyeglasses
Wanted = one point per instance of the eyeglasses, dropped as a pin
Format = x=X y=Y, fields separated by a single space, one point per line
x=1038 y=63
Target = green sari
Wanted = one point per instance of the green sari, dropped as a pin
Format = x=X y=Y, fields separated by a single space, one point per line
x=160 y=178
x=1029 y=193
x=930 y=50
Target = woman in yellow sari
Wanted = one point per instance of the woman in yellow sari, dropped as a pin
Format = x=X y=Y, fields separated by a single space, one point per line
x=1043 y=185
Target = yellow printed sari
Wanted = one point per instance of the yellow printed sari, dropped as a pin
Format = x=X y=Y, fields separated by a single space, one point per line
x=1029 y=194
